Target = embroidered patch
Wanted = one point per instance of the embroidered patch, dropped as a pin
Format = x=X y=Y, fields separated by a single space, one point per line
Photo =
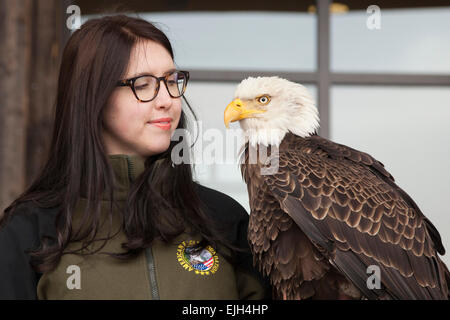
x=203 y=261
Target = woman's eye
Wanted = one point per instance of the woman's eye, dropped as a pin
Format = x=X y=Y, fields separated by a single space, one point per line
x=263 y=100
x=143 y=86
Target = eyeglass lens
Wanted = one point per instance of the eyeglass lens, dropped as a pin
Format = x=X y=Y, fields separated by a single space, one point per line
x=146 y=86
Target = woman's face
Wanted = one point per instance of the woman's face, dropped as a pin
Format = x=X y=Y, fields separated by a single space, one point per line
x=126 y=121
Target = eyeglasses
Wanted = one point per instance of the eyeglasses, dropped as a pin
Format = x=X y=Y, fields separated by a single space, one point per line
x=146 y=87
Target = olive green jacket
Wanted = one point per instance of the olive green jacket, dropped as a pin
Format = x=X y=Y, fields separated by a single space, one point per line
x=164 y=271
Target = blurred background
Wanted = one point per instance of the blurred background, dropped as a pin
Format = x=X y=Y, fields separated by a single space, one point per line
x=380 y=75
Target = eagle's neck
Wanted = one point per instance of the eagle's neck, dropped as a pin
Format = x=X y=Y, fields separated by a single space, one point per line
x=271 y=137
x=264 y=137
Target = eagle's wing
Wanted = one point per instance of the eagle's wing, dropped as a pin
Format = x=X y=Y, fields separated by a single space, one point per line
x=338 y=151
x=351 y=212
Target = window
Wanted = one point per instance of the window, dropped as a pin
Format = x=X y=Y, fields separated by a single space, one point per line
x=413 y=40
x=241 y=40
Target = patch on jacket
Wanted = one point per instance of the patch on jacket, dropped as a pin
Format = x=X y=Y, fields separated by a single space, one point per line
x=203 y=261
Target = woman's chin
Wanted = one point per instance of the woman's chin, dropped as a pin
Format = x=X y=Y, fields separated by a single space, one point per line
x=156 y=148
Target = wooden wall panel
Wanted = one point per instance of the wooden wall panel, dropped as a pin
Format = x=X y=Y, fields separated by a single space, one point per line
x=15 y=52
x=33 y=34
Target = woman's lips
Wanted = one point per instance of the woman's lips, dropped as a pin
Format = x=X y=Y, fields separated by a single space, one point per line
x=162 y=123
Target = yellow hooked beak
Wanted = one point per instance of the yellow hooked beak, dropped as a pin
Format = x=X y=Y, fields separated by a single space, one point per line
x=236 y=111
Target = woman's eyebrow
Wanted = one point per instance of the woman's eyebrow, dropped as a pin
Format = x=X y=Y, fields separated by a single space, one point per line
x=149 y=73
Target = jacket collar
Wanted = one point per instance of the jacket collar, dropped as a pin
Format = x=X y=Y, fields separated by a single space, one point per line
x=126 y=169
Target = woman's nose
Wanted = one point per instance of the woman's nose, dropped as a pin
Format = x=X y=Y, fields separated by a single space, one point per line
x=163 y=98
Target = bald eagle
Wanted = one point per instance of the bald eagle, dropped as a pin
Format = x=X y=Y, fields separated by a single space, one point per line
x=330 y=216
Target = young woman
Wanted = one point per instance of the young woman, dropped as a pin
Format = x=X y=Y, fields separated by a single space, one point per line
x=111 y=216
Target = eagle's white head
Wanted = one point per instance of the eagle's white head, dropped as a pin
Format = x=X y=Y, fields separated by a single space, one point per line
x=269 y=107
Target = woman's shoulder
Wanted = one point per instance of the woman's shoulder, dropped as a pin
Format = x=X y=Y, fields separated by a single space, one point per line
x=221 y=203
x=28 y=222
x=20 y=232
x=227 y=213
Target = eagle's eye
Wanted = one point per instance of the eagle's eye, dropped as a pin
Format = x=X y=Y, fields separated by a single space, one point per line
x=264 y=99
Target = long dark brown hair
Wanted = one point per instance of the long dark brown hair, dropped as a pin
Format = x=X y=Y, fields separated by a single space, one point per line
x=94 y=59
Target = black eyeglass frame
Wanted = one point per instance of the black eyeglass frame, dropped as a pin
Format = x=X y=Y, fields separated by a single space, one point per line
x=130 y=83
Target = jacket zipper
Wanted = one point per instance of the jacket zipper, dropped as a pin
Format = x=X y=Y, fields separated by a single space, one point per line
x=130 y=169
x=152 y=273
x=148 y=252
